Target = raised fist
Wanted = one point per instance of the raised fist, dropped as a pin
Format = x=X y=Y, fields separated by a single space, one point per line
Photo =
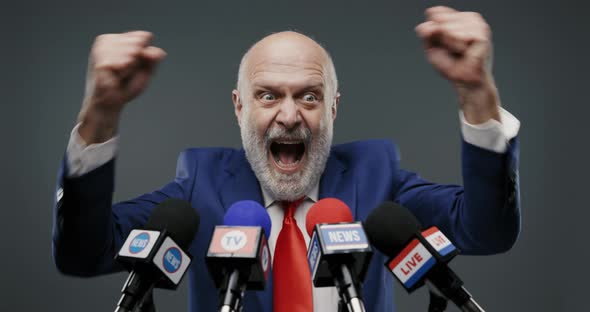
x=120 y=67
x=457 y=44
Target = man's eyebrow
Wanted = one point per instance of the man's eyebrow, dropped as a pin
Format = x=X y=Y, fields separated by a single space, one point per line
x=312 y=84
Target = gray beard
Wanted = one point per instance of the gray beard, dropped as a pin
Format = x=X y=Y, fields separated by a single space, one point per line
x=282 y=186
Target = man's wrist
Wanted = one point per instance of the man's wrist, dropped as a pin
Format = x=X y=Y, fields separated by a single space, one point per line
x=97 y=126
x=480 y=103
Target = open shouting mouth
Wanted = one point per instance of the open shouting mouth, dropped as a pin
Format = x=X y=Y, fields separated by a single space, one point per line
x=287 y=155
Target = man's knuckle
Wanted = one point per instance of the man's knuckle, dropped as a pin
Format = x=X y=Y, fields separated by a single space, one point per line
x=473 y=15
x=447 y=29
x=487 y=31
x=132 y=38
x=103 y=65
x=134 y=51
x=125 y=62
x=105 y=38
x=101 y=37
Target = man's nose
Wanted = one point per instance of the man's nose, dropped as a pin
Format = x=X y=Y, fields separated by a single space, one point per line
x=289 y=116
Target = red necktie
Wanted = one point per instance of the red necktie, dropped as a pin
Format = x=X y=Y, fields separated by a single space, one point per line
x=292 y=278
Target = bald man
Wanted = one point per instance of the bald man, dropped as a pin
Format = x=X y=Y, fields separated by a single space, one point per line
x=286 y=101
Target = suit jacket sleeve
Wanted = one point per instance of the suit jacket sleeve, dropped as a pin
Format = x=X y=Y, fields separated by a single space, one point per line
x=88 y=230
x=483 y=216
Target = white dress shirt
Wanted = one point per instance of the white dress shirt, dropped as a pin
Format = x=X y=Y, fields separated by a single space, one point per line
x=491 y=135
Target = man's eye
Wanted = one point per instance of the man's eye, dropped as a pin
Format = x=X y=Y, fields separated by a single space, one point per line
x=309 y=98
x=268 y=97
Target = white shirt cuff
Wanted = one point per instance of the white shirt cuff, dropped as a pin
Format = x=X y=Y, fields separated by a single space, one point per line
x=492 y=134
x=83 y=158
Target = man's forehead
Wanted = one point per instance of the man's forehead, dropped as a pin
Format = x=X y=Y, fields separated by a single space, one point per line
x=264 y=70
x=286 y=49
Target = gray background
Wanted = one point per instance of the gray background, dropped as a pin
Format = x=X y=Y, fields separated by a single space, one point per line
x=388 y=91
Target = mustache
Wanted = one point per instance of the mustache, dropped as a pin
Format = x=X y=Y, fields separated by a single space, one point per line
x=296 y=134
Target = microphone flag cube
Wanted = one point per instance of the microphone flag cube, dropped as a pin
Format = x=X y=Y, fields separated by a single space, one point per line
x=415 y=260
x=172 y=261
x=139 y=245
x=144 y=248
x=239 y=247
x=338 y=241
x=440 y=242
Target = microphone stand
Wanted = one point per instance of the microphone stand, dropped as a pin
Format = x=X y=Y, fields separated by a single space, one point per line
x=349 y=296
x=460 y=297
x=471 y=306
x=465 y=302
x=132 y=292
x=232 y=294
x=437 y=303
x=147 y=304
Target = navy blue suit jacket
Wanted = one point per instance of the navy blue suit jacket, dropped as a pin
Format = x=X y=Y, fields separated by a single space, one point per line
x=483 y=217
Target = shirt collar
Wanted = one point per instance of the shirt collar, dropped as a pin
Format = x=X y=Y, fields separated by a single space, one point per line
x=312 y=195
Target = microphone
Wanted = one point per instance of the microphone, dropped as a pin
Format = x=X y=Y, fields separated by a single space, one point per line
x=238 y=257
x=156 y=256
x=417 y=257
x=339 y=252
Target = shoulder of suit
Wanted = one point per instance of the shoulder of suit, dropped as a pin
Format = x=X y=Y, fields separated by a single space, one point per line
x=209 y=157
x=211 y=154
x=367 y=147
x=366 y=154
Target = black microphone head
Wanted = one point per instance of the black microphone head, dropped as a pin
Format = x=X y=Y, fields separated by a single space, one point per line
x=178 y=218
x=390 y=227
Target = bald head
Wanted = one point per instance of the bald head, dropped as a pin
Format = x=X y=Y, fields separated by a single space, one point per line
x=288 y=51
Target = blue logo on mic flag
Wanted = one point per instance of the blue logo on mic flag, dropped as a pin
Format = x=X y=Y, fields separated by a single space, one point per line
x=139 y=243
x=172 y=259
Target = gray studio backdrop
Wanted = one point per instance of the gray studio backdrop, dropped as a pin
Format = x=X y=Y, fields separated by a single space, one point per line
x=388 y=91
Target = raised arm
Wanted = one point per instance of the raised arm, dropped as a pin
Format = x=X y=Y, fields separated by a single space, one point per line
x=86 y=228
x=483 y=216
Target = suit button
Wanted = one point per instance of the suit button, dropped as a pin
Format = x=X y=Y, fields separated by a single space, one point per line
x=512 y=177
x=59 y=194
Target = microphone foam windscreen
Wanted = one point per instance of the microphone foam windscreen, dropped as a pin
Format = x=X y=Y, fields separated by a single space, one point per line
x=248 y=213
x=390 y=227
x=327 y=210
x=178 y=218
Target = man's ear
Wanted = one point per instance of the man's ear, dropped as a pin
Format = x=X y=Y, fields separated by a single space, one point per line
x=335 y=105
x=235 y=96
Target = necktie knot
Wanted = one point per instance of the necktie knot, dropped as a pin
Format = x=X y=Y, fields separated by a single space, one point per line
x=289 y=207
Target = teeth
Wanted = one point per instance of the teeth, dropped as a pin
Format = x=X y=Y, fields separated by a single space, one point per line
x=287 y=165
x=288 y=142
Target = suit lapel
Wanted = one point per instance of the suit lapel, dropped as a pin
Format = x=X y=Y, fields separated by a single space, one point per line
x=338 y=182
x=241 y=183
